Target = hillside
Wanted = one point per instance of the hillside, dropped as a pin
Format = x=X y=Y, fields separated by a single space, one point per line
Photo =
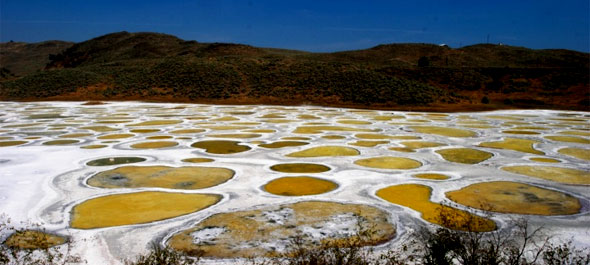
x=160 y=67
x=19 y=58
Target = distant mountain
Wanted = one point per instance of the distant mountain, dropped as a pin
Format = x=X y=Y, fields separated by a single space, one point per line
x=160 y=67
x=480 y=55
x=19 y=58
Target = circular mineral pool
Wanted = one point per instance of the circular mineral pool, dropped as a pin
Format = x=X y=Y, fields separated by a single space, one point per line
x=325 y=151
x=137 y=208
x=299 y=186
x=464 y=155
x=300 y=168
x=197 y=160
x=11 y=143
x=221 y=146
x=389 y=162
x=513 y=197
x=114 y=161
x=154 y=145
x=61 y=142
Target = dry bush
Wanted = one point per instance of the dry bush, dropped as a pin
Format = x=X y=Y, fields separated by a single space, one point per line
x=519 y=244
x=43 y=253
x=165 y=255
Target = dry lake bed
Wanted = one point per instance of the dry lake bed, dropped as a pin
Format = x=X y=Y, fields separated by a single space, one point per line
x=239 y=181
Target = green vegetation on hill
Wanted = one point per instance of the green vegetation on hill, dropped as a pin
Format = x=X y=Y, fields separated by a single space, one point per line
x=153 y=66
x=49 y=83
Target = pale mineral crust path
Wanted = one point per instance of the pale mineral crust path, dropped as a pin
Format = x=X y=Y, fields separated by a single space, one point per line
x=50 y=150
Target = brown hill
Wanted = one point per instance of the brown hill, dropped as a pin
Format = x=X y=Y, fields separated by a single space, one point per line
x=129 y=46
x=19 y=58
x=481 y=55
x=160 y=67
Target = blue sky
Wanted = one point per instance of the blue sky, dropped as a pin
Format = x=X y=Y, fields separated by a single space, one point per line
x=308 y=25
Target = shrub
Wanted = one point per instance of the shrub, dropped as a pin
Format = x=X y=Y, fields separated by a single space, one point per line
x=519 y=244
x=485 y=100
x=565 y=253
x=159 y=255
x=39 y=250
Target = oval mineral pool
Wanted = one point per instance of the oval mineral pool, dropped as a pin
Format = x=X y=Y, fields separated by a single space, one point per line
x=325 y=151
x=221 y=146
x=521 y=145
x=11 y=143
x=296 y=138
x=144 y=130
x=417 y=197
x=307 y=117
x=246 y=113
x=154 y=145
x=115 y=161
x=520 y=132
x=387 y=117
x=402 y=149
x=93 y=146
x=61 y=142
x=158 y=137
x=188 y=178
x=100 y=128
x=218 y=235
x=300 y=168
x=362 y=143
x=281 y=144
x=273 y=116
x=299 y=186
x=434 y=176
x=226 y=118
x=544 y=160
x=579 y=133
x=261 y=131
x=389 y=162
x=197 y=160
x=115 y=136
x=579 y=153
x=464 y=155
x=31 y=239
x=333 y=137
x=137 y=208
x=558 y=174
x=569 y=139
x=513 y=197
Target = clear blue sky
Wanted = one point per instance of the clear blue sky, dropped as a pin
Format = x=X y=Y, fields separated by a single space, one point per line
x=307 y=25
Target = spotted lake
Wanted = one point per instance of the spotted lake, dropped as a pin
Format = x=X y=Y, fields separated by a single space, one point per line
x=237 y=181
